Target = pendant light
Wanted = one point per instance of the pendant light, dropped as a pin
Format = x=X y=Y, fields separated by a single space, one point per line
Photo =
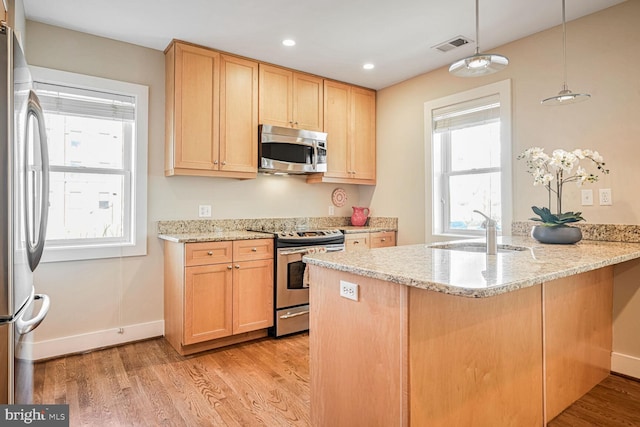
x=479 y=64
x=565 y=96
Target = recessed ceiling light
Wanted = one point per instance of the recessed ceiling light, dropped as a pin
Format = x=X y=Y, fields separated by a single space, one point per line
x=368 y=66
x=288 y=42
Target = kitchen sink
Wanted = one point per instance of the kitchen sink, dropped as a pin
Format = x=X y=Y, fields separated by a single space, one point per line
x=476 y=247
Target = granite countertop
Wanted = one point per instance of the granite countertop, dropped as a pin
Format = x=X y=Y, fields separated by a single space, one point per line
x=214 y=236
x=475 y=274
x=351 y=229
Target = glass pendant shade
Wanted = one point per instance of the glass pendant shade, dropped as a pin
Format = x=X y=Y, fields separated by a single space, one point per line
x=565 y=96
x=479 y=64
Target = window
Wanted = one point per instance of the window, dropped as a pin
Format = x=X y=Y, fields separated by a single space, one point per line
x=470 y=138
x=97 y=136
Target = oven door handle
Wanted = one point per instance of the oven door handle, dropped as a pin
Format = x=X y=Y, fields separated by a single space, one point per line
x=290 y=315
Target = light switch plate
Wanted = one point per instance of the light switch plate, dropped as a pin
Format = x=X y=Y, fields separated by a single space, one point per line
x=587 y=197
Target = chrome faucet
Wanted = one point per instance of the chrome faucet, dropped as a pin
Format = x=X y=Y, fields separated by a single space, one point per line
x=492 y=234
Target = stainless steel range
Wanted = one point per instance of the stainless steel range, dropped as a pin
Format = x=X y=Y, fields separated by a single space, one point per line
x=291 y=287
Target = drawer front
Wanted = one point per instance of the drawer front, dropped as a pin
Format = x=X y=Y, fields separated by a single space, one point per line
x=383 y=239
x=253 y=249
x=356 y=242
x=207 y=253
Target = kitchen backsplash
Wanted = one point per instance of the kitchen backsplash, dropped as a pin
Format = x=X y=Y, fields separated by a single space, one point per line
x=259 y=224
x=602 y=232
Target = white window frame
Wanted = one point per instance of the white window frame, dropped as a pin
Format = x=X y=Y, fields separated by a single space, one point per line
x=136 y=218
x=433 y=162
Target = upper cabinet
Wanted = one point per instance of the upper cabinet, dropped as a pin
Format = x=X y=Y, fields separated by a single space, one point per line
x=290 y=99
x=349 y=121
x=211 y=113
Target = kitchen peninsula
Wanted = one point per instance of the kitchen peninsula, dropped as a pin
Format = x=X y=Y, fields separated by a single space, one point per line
x=445 y=337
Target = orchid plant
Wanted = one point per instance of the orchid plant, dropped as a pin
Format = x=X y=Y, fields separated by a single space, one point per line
x=555 y=170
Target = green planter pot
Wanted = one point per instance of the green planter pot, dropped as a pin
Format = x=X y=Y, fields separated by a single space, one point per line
x=563 y=235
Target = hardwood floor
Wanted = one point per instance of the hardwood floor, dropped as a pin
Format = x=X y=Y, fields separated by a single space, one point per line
x=614 y=402
x=262 y=383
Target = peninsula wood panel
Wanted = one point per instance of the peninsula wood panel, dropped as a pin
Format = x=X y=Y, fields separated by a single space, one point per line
x=358 y=373
x=476 y=361
x=578 y=336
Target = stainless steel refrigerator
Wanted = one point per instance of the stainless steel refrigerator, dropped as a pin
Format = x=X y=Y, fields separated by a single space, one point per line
x=24 y=202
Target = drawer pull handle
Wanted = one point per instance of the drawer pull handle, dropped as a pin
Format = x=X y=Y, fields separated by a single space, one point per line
x=254 y=249
x=237 y=266
x=355 y=242
x=229 y=267
x=383 y=239
x=210 y=253
x=290 y=315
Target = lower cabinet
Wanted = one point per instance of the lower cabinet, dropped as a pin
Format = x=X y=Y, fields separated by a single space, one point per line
x=217 y=293
x=369 y=240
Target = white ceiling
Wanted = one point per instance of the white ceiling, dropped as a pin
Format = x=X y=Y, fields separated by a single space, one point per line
x=334 y=37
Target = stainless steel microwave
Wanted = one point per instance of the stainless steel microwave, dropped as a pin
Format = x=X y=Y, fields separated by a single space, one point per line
x=293 y=151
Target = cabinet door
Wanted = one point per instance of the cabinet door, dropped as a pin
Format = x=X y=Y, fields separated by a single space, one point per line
x=208 y=302
x=307 y=102
x=238 y=115
x=276 y=96
x=252 y=295
x=382 y=239
x=336 y=124
x=356 y=242
x=196 y=102
x=363 y=134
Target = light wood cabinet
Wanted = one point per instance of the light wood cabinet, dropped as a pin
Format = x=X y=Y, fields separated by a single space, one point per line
x=211 y=113
x=349 y=121
x=217 y=293
x=290 y=99
x=369 y=240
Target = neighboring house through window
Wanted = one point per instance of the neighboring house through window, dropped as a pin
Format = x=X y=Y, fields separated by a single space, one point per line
x=470 y=142
x=97 y=136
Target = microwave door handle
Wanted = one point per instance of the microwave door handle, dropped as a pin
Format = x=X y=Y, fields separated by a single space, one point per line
x=315 y=155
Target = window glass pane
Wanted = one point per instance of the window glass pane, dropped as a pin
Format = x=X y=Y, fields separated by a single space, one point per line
x=85 y=141
x=474 y=191
x=85 y=206
x=475 y=147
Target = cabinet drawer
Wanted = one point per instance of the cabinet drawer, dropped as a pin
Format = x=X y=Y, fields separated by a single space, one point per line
x=383 y=239
x=355 y=242
x=247 y=250
x=207 y=253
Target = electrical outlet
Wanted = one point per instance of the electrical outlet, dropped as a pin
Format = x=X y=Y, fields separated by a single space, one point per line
x=349 y=290
x=204 y=211
x=332 y=211
x=587 y=197
x=605 y=197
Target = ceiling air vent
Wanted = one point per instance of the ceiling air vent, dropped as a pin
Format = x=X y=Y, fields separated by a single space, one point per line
x=452 y=44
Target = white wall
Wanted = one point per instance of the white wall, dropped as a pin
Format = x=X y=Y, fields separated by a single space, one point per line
x=98 y=297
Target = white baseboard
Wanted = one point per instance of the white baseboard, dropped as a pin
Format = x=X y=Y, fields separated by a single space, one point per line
x=627 y=365
x=94 y=340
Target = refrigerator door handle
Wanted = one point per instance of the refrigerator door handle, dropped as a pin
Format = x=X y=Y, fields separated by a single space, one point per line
x=26 y=326
x=35 y=242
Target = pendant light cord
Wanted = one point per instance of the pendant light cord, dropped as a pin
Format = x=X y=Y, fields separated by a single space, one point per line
x=478 y=27
x=564 y=46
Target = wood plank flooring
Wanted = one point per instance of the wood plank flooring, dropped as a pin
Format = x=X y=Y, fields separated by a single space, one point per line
x=262 y=383
x=612 y=403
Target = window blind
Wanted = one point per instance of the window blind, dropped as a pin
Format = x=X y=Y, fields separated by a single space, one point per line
x=470 y=113
x=85 y=102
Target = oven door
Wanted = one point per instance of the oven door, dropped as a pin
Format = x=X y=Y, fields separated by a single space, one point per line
x=290 y=287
